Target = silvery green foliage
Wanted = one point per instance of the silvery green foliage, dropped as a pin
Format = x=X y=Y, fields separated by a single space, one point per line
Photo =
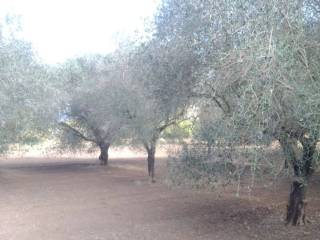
x=159 y=75
x=25 y=90
x=96 y=100
x=257 y=61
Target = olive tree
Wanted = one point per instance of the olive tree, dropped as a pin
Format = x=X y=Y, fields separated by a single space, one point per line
x=260 y=66
x=25 y=89
x=93 y=110
x=158 y=74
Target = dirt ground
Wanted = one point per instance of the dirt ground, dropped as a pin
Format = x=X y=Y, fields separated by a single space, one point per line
x=76 y=199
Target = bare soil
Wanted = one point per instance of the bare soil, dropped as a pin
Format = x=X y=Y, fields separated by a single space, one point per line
x=77 y=199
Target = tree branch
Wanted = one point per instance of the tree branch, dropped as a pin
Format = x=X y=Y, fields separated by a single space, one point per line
x=169 y=122
x=77 y=132
x=216 y=100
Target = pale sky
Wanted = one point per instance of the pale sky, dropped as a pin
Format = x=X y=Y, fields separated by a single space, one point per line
x=60 y=29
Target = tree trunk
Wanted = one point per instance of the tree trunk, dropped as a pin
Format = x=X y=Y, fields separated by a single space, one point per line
x=296 y=208
x=303 y=170
x=151 y=161
x=104 y=156
x=209 y=147
x=286 y=164
x=151 y=150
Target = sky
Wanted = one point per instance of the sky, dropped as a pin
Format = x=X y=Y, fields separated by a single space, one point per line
x=61 y=29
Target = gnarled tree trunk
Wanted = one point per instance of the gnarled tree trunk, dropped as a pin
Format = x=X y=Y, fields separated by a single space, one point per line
x=303 y=169
x=296 y=208
x=104 y=155
x=151 y=161
x=151 y=150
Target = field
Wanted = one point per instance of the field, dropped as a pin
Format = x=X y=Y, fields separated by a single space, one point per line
x=77 y=199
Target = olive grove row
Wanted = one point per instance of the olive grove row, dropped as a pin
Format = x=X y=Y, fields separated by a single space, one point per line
x=246 y=70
